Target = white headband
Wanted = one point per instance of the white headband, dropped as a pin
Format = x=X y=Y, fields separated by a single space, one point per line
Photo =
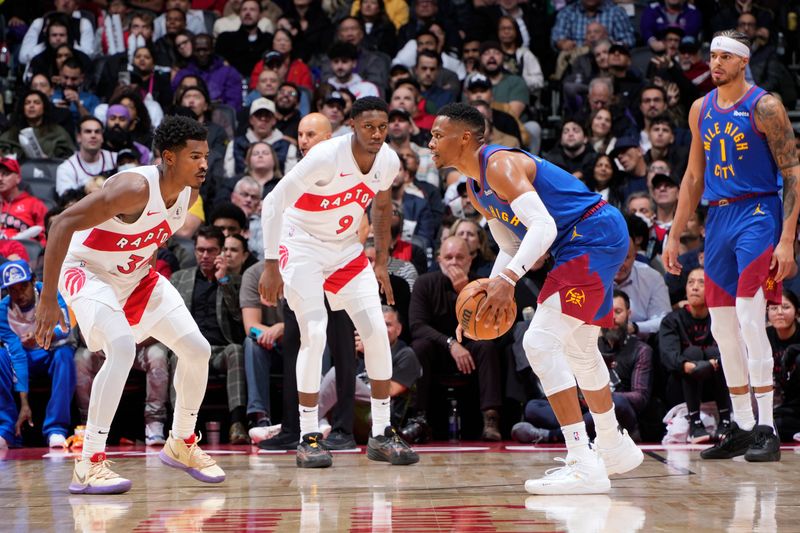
x=726 y=44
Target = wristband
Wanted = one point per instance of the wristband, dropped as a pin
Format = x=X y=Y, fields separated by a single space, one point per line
x=502 y=275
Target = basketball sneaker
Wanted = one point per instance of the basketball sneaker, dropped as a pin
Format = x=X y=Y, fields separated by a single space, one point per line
x=311 y=453
x=766 y=446
x=698 y=432
x=154 y=434
x=732 y=443
x=391 y=448
x=620 y=457
x=282 y=441
x=93 y=476
x=579 y=475
x=186 y=455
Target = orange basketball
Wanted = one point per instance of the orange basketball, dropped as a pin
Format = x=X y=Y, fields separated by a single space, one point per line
x=469 y=300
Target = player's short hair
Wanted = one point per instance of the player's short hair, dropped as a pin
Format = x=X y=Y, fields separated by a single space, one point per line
x=210 y=232
x=621 y=294
x=467 y=115
x=735 y=35
x=229 y=210
x=174 y=131
x=368 y=103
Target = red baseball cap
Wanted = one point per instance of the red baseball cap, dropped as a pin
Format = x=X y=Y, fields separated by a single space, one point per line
x=10 y=164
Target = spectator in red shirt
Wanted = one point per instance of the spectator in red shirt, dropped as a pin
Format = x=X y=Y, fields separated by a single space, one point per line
x=19 y=211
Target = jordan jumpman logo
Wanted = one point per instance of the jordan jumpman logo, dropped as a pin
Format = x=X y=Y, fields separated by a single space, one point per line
x=575 y=233
x=758 y=210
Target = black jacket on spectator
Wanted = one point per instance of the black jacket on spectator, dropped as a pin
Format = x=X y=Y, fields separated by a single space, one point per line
x=583 y=163
x=632 y=361
x=242 y=53
x=679 y=330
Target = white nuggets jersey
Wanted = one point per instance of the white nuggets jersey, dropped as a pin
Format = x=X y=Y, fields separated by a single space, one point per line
x=120 y=253
x=331 y=209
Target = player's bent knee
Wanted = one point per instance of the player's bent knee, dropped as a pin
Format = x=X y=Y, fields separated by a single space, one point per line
x=371 y=328
x=193 y=346
x=545 y=355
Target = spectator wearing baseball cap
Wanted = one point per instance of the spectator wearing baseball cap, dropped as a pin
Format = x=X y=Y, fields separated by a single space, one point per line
x=22 y=214
x=26 y=357
x=262 y=129
x=629 y=154
x=401 y=127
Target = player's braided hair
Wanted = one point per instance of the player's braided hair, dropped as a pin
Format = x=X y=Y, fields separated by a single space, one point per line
x=174 y=131
x=467 y=115
x=368 y=103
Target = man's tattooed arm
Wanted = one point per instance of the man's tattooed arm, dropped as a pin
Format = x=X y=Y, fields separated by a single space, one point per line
x=772 y=119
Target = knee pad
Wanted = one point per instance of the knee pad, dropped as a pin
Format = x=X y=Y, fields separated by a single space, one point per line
x=545 y=354
x=585 y=360
x=371 y=328
x=725 y=329
x=191 y=347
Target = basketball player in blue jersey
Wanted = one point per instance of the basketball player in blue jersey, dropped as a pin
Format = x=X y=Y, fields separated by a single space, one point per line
x=741 y=140
x=533 y=207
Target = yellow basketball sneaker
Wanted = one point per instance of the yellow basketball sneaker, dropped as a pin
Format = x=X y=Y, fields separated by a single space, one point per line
x=93 y=476
x=186 y=455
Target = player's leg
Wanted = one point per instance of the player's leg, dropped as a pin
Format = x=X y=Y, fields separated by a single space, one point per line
x=620 y=454
x=761 y=228
x=721 y=279
x=544 y=344
x=177 y=330
x=360 y=298
x=312 y=319
x=104 y=326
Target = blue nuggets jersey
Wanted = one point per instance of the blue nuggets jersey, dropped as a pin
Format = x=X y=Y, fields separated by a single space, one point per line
x=738 y=159
x=565 y=197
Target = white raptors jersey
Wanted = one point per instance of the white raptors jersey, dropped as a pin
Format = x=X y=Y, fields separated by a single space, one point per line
x=331 y=209
x=120 y=252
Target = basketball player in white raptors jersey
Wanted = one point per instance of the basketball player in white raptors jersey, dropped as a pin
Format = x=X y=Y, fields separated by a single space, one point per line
x=310 y=222
x=100 y=257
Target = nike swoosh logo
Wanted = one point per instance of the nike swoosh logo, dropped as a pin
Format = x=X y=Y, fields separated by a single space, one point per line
x=343 y=175
x=308 y=410
x=102 y=432
x=150 y=213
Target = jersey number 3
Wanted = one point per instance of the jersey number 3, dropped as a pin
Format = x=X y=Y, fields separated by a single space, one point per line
x=134 y=262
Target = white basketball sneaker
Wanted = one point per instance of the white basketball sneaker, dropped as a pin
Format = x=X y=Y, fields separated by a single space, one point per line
x=620 y=456
x=579 y=475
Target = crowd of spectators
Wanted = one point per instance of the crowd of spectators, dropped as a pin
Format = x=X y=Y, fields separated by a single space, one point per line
x=601 y=88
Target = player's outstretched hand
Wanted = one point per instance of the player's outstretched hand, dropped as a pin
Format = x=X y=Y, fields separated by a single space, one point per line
x=48 y=314
x=499 y=295
x=270 y=286
x=382 y=275
x=783 y=258
x=670 y=256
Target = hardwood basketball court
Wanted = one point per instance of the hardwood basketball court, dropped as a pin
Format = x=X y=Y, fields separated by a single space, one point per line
x=473 y=487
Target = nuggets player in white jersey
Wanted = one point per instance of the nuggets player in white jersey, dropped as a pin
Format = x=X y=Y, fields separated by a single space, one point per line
x=742 y=143
x=312 y=252
x=101 y=258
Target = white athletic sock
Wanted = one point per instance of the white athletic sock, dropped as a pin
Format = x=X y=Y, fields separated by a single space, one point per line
x=607 y=427
x=309 y=420
x=94 y=441
x=184 y=422
x=743 y=411
x=576 y=439
x=381 y=415
x=764 y=401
